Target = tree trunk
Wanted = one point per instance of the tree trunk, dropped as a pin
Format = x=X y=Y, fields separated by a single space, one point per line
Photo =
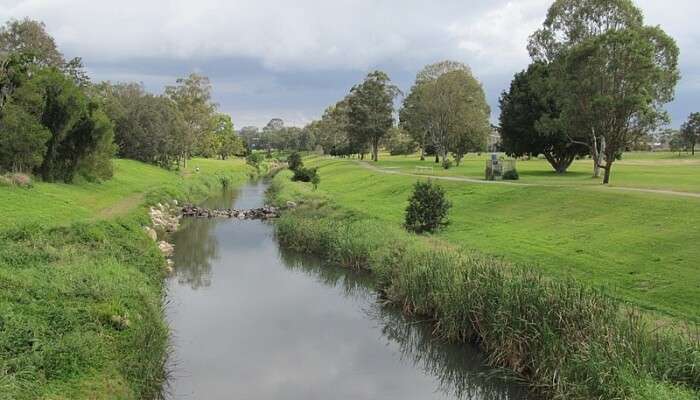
x=422 y=153
x=437 y=158
x=608 y=168
x=598 y=151
x=375 y=150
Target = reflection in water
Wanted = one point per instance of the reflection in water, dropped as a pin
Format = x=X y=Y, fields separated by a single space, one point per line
x=252 y=321
x=196 y=246
x=460 y=371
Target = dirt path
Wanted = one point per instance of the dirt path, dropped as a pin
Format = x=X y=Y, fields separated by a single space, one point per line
x=484 y=182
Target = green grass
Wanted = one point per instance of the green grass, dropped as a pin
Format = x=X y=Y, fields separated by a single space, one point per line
x=656 y=171
x=566 y=339
x=81 y=285
x=642 y=246
x=51 y=204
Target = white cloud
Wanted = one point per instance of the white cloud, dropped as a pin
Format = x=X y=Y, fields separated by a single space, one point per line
x=158 y=39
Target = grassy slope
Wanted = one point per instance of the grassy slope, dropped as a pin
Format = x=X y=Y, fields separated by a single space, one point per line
x=638 y=244
x=567 y=340
x=80 y=293
x=659 y=171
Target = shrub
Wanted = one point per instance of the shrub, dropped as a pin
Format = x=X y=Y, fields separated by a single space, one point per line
x=305 y=175
x=16 y=179
x=294 y=161
x=511 y=175
x=447 y=164
x=427 y=208
x=254 y=160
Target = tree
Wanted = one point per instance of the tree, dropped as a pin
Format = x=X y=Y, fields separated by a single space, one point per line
x=294 y=161
x=192 y=95
x=617 y=84
x=30 y=37
x=690 y=131
x=568 y=24
x=370 y=110
x=399 y=142
x=148 y=128
x=227 y=142
x=427 y=208
x=413 y=115
x=529 y=121
x=457 y=112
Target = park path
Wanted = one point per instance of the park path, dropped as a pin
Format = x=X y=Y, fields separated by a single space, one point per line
x=484 y=182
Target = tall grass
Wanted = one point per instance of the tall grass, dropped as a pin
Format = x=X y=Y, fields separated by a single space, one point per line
x=81 y=306
x=568 y=340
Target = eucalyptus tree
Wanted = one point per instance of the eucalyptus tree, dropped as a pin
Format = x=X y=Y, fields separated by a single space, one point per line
x=192 y=95
x=457 y=112
x=413 y=115
x=690 y=131
x=371 y=110
x=612 y=73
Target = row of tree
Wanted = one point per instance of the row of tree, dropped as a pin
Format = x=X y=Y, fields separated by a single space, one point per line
x=598 y=82
x=57 y=124
x=444 y=113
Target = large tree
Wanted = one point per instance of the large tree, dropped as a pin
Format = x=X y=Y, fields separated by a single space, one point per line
x=457 y=112
x=192 y=95
x=568 y=24
x=617 y=84
x=413 y=115
x=371 y=109
x=529 y=120
x=690 y=131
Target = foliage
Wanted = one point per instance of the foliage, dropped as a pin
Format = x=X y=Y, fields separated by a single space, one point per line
x=370 y=110
x=294 y=161
x=302 y=174
x=612 y=73
x=427 y=208
x=583 y=342
x=529 y=120
x=255 y=160
x=399 y=142
x=690 y=131
x=511 y=175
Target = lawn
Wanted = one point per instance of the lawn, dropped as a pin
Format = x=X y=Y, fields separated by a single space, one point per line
x=657 y=171
x=51 y=204
x=644 y=247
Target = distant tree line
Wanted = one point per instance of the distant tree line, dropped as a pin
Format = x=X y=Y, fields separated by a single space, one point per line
x=58 y=125
x=444 y=114
x=596 y=86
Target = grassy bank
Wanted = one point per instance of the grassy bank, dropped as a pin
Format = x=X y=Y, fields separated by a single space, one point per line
x=81 y=285
x=566 y=339
x=640 y=245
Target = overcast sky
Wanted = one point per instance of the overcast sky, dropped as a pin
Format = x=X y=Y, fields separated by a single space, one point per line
x=291 y=59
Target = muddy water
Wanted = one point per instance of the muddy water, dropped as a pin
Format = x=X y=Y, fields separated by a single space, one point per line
x=253 y=321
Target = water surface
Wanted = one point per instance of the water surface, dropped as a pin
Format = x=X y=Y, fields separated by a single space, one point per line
x=253 y=321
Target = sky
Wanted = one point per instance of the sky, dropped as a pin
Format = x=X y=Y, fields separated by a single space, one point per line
x=291 y=59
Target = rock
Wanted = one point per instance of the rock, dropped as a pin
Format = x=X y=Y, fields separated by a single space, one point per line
x=166 y=248
x=151 y=233
x=291 y=204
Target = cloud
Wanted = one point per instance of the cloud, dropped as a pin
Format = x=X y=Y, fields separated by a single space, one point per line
x=295 y=58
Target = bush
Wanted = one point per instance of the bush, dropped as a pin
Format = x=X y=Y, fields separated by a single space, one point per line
x=427 y=208
x=305 y=175
x=511 y=175
x=447 y=164
x=294 y=161
x=16 y=179
x=254 y=160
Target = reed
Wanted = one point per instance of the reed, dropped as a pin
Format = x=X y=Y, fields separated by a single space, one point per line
x=566 y=339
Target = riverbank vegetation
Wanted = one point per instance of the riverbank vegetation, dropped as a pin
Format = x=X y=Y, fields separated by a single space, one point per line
x=81 y=284
x=567 y=339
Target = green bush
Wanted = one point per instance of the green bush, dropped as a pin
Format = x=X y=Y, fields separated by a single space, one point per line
x=255 y=160
x=511 y=175
x=294 y=161
x=306 y=175
x=427 y=208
